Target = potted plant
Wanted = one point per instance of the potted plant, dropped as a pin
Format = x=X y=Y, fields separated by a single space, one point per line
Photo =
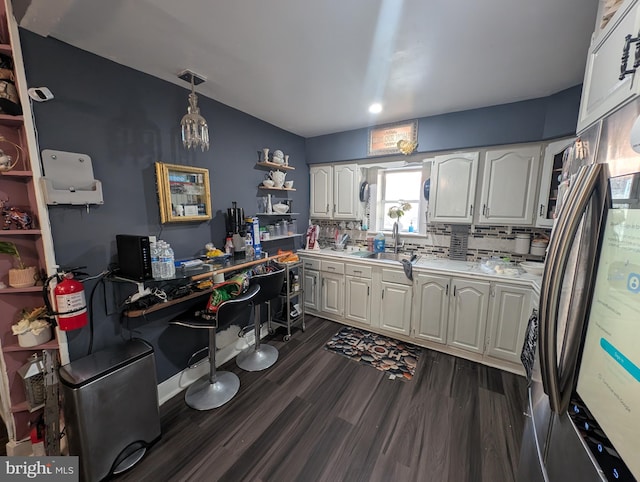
x=396 y=212
x=22 y=276
x=33 y=328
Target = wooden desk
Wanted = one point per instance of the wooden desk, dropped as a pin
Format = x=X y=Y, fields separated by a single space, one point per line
x=236 y=265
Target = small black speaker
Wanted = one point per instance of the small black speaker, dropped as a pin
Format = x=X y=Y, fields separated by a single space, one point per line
x=134 y=257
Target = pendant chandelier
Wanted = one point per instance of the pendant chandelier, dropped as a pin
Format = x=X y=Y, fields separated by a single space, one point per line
x=195 y=131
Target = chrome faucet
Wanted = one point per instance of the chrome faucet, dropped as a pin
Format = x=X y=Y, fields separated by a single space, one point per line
x=395 y=233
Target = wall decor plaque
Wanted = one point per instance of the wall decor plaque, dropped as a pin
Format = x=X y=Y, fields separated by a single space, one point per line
x=385 y=139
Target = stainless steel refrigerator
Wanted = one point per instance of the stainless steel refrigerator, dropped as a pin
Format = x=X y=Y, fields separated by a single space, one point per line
x=584 y=397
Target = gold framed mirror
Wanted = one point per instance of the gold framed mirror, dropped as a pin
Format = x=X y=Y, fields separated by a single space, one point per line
x=183 y=193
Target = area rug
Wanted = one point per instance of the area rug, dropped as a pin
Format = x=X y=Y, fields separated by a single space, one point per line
x=386 y=354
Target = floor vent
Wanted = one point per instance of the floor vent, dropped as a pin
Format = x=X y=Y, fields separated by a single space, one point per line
x=459 y=242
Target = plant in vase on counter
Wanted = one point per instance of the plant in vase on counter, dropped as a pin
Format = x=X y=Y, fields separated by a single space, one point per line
x=33 y=328
x=396 y=212
x=22 y=276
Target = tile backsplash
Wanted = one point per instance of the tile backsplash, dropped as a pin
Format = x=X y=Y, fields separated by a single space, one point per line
x=482 y=241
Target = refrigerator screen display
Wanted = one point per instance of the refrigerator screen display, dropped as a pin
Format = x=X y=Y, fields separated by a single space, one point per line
x=609 y=377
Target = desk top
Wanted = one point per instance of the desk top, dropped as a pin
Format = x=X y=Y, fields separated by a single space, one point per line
x=208 y=270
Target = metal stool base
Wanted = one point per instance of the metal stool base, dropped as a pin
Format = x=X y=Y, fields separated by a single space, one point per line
x=253 y=360
x=204 y=395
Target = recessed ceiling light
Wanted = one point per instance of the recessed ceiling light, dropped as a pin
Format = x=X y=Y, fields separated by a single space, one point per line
x=375 y=108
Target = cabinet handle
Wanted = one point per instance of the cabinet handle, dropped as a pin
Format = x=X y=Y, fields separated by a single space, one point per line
x=446 y=291
x=327 y=209
x=541 y=213
x=628 y=40
x=357 y=271
x=367 y=291
x=484 y=209
x=383 y=293
x=471 y=210
x=334 y=208
x=331 y=268
x=454 y=290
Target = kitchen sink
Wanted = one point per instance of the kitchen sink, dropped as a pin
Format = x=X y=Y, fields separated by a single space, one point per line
x=389 y=256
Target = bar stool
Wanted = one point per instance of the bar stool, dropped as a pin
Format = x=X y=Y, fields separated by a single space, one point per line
x=260 y=356
x=217 y=388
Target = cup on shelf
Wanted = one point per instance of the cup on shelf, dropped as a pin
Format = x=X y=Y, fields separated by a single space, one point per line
x=288 y=184
x=268 y=183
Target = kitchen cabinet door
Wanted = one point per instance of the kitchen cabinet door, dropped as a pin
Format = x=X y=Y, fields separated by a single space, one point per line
x=453 y=187
x=509 y=184
x=395 y=313
x=332 y=294
x=549 y=182
x=468 y=315
x=357 y=302
x=602 y=90
x=311 y=285
x=509 y=310
x=346 y=180
x=431 y=308
x=321 y=191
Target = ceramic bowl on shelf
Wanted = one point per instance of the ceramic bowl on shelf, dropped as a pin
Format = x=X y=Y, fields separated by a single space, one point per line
x=288 y=184
x=280 y=208
x=268 y=183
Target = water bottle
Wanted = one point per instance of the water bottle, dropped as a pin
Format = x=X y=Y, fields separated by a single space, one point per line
x=155 y=261
x=171 y=262
x=162 y=263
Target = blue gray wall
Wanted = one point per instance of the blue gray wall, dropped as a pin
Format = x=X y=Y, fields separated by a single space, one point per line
x=126 y=121
x=526 y=121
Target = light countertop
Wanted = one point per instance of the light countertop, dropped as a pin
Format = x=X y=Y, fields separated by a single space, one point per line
x=428 y=263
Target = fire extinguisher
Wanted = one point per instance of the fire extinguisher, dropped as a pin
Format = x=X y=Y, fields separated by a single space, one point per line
x=70 y=304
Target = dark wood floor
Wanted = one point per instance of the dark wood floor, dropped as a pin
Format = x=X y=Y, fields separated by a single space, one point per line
x=316 y=415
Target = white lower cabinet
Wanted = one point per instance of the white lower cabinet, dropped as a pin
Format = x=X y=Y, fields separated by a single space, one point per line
x=395 y=313
x=509 y=311
x=485 y=319
x=357 y=299
x=431 y=307
x=357 y=304
x=332 y=294
x=311 y=285
x=468 y=314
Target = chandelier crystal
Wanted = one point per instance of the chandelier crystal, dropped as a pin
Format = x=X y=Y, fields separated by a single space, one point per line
x=195 y=131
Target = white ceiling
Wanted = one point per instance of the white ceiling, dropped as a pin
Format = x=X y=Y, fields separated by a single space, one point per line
x=313 y=67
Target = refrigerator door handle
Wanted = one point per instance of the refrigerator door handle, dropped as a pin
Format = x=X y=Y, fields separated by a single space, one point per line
x=589 y=185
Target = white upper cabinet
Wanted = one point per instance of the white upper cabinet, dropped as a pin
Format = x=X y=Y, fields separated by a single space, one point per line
x=334 y=192
x=607 y=83
x=509 y=182
x=453 y=187
x=346 y=180
x=549 y=182
x=321 y=191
